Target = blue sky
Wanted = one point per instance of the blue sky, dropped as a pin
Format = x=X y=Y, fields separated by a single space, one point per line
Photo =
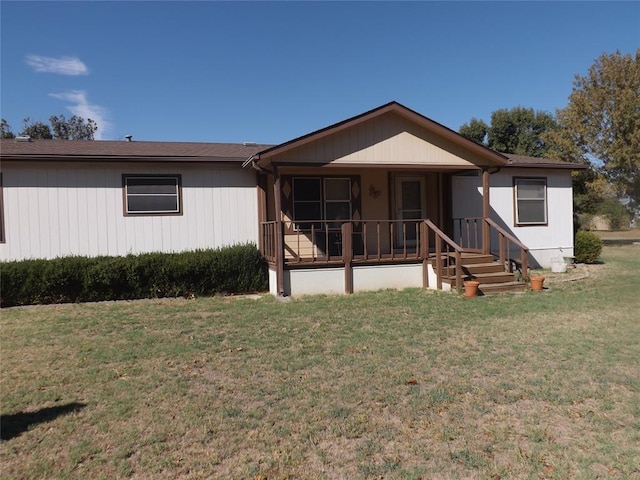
x=272 y=71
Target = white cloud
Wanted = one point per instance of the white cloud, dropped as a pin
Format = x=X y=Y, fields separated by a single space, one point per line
x=82 y=108
x=60 y=65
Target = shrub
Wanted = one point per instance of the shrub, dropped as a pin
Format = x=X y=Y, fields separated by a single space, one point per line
x=617 y=214
x=588 y=247
x=236 y=269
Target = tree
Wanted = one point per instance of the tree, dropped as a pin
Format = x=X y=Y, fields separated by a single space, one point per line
x=59 y=128
x=475 y=130
x=601 y=123
x=73 y=129
x=5 y=130
x=519 y=131
x=36 y=130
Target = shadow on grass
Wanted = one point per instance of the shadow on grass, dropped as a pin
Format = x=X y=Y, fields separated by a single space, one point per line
x=13 y=425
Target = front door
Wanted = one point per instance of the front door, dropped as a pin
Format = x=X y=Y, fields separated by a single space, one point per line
x=410 y=208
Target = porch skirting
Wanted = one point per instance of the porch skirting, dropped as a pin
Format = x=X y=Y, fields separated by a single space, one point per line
x=331 y=279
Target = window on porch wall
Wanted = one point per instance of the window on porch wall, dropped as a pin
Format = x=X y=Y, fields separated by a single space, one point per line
x=337 y=192
x=316 y=199
x=307 y=203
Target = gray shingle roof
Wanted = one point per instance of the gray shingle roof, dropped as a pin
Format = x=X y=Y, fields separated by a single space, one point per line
x=92 y=150
x=524 y=161
x=122 y=150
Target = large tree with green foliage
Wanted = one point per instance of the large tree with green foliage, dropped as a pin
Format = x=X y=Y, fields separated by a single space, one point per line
x=60 y=128
x=518 y=130
x=475 y=130
x=601 y=122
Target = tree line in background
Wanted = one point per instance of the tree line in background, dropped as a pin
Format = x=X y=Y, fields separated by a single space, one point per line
x=60 y=128
x=600 y=126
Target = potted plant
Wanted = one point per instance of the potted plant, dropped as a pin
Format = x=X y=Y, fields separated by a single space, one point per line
x=471 y=288
x=536 y=283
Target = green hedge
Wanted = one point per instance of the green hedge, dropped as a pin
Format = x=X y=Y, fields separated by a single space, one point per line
x=237 y=269
x=588 y=247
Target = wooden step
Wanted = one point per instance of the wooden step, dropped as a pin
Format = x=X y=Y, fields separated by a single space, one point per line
x=473 y=269
x=482 y=268
x=475 y=258
x=466 y=258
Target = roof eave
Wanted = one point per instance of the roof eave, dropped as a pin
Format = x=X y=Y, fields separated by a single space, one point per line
x=558 y=166
x=117 y=158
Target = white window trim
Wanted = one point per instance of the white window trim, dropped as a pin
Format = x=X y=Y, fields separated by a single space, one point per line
x=127 y=195
x=517 y=200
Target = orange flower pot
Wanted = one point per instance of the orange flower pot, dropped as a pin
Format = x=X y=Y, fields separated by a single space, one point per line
x=471 y=288
x=536 y=283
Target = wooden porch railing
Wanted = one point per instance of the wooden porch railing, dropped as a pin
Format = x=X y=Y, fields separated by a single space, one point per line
x=371 y=240
x=469 y=234
x=268 y=241
x=364 y=242
x=444 y=253
x=505 y=242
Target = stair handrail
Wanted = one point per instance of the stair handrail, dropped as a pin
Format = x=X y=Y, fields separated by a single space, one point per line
x=524 y=250
x=440 y=236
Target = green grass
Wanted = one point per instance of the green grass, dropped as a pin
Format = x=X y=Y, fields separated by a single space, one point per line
x=395 y=385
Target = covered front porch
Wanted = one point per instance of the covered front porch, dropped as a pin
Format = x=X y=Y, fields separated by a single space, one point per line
x=343 y=244
x=367 y=204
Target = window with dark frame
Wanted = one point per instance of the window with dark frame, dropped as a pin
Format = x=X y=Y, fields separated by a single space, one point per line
x=307 y=203
x=337 y=200
x=530 y=201
x=316 y=199
x=152 y=194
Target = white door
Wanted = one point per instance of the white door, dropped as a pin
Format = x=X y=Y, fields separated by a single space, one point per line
x=466 y=202
x=411 y=205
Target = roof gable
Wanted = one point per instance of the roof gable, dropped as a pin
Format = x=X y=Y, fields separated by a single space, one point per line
x=414 y=124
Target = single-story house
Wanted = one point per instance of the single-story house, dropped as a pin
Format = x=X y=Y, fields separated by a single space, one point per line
x=386 y=199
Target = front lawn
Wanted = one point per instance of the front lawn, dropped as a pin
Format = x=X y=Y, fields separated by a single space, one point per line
x=410 y=384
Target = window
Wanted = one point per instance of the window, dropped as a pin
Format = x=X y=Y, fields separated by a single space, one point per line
x=316 y=199
x=337 y=200
x=307 y=202
x=530 y=201
x=152 y=194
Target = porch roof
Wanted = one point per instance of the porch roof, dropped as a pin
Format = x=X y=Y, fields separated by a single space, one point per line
x=488 y=156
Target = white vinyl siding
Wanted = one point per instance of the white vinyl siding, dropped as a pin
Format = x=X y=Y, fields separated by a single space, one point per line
x=545 y=241
x=77 y=209
x=1 y=212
